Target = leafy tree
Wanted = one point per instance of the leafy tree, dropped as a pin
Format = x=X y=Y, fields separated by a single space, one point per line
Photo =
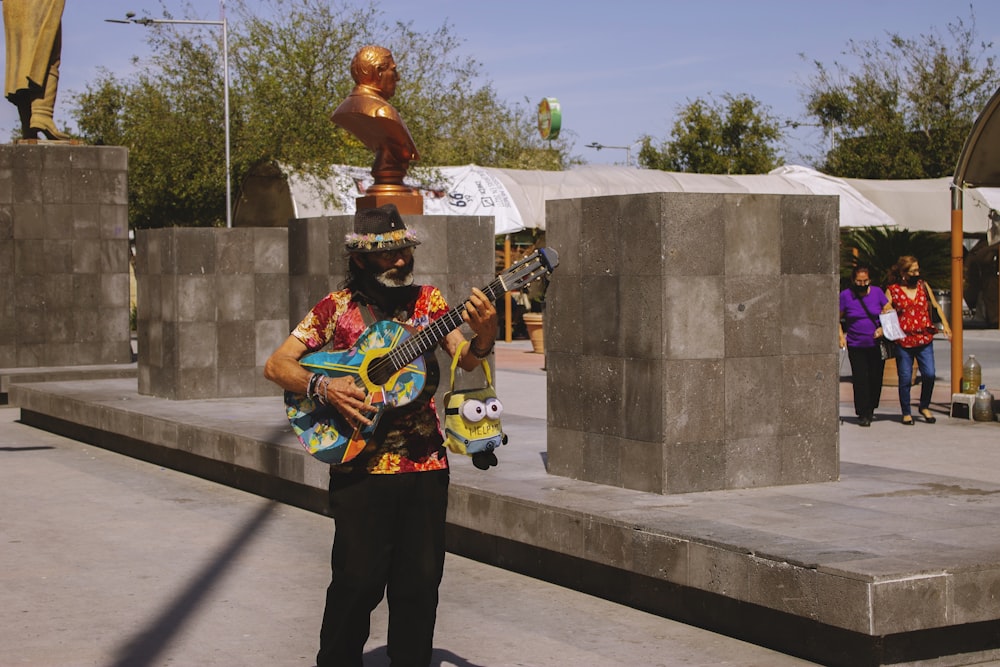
x=907 y=107
x=735 y=136
x=290 y=68
x=881 y=247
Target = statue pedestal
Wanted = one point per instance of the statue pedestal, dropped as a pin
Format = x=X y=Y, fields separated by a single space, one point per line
x=411 y=203
x=64 y=255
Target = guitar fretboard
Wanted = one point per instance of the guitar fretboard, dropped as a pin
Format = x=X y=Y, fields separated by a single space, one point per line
x=431 y=335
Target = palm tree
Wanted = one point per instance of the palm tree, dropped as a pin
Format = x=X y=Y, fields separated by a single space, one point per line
x=881 y=247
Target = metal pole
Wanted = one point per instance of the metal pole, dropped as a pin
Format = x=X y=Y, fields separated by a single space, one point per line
x=956 y=288
x=225 y=95
x=130 y=18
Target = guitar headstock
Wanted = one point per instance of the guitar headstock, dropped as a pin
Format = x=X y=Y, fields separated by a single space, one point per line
x=539 y=263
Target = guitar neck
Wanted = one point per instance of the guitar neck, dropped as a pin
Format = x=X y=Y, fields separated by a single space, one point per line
x=433 y=333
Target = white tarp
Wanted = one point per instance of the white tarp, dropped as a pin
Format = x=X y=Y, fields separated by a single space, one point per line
x=516 y=198
x=468 y=190
x=855 y=209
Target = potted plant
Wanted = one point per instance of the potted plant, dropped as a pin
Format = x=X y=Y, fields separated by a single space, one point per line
x=533 y=319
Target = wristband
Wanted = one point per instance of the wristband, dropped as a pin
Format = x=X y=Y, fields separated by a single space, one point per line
x=476 y=353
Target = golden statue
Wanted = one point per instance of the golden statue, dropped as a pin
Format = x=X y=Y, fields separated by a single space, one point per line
x=367 y=114
x=33 y=33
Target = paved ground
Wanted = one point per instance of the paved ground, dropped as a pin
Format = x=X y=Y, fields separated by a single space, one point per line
x=112 y=561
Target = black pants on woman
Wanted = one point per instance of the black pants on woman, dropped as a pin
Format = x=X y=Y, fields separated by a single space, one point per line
x=389 y=539
x=867 y=367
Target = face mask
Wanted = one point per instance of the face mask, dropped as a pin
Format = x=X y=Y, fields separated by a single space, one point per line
x=860 y=289
x=912 y=280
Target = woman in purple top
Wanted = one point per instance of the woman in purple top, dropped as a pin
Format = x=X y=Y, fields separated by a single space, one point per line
x=860 y=306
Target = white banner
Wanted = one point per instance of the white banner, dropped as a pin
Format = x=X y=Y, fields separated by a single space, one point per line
x=468 y=190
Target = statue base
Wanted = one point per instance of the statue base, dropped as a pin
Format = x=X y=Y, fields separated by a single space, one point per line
x=408 y=203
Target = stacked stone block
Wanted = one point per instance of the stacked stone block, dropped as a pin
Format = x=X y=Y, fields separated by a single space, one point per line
x=64 y=256
x=690 y=341
x=212 y=306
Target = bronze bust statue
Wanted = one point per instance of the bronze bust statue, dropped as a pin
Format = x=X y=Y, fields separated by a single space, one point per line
x=367 y=114
x=33 y=36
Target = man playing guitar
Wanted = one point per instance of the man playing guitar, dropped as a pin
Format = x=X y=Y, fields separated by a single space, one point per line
x=389 y=500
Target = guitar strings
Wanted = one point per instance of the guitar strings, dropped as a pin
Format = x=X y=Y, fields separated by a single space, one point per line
x=423 y=341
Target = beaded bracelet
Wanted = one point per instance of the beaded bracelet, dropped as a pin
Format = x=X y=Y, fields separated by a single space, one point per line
x=476 y=353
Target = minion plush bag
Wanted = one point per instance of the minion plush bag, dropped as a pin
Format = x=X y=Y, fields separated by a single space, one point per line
x=472 y=419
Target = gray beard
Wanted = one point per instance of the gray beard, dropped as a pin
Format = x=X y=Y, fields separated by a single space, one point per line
x=392 y=278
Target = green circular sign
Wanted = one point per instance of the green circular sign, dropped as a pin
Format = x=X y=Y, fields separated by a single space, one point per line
x=549 y=118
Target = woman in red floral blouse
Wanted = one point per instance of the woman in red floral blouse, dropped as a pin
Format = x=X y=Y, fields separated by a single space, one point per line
x=912 y=298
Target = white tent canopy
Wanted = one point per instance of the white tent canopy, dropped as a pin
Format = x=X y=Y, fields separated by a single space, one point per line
x=516 y=198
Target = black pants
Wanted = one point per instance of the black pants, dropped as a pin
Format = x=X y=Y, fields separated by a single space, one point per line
x=867 y=367
x=389 y=540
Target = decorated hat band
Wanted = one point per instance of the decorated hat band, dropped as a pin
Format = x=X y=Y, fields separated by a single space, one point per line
x=401 y=238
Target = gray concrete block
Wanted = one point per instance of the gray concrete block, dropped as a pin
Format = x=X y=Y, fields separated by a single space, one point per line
x=6 y=223
x=601 y=227
x=689 y=220
x=718 y=294
x=643 y=395
x=753 y=236
x=113 y=186
x=640 y=328
x=564 y=234
x=910 y=603
x=806 y=327
x=85 y=186
x=693 y=466
x=563 y=446
x=87 y=256
x=29 y=221
x=640 y=465
x=808 y=245
x=270 y=252
x=194 y=251
x=235 y=297
x=811 y=457
x=114 y=221
x=753 y=316
x=269 y=335
x=694 y=398
x=197 y=344
x=86 y=221
x=694 y=315
x=751 y=386
x=806 y=397
x=270 y=296
x=196 y=297
x=601 y=455
x=564 y=304
x=601 y=315
x=236 y=255
x=236 y=341
x=55 y=185
x=752 y=462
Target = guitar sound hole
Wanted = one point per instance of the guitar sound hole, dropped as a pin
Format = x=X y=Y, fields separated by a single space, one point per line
x=380 y=371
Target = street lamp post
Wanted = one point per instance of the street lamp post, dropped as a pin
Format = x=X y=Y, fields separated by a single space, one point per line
x=130 y=18
x=628 y=150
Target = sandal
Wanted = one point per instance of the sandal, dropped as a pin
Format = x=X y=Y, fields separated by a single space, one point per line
x=928 y=416
x=907 y=420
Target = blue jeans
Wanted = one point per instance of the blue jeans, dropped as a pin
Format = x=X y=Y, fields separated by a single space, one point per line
x=924 y=354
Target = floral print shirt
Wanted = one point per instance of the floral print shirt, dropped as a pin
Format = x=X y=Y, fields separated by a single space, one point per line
x=408 y=438
x=914 y=315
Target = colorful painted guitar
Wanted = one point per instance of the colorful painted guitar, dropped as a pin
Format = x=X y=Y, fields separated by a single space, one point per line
x=387 y=363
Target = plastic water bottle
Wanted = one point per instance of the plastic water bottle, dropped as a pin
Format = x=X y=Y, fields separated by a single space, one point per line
x=982 y=407
x=972 y=375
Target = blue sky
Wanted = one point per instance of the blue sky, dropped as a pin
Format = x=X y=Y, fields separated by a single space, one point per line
x=619 y=68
